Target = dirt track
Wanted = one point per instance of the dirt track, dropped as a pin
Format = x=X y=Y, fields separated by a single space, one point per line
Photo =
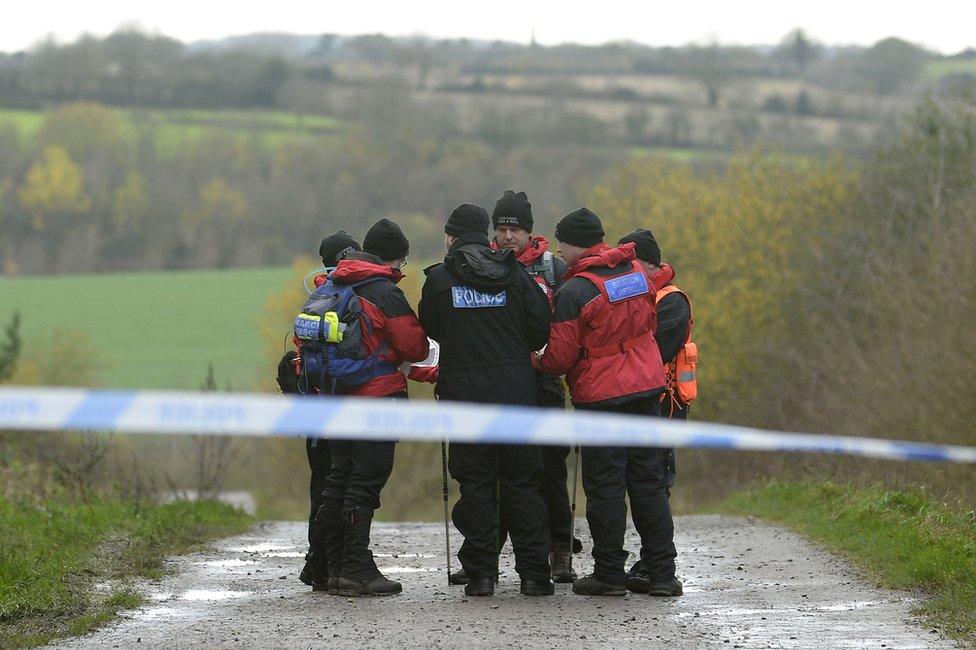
x=746 y=585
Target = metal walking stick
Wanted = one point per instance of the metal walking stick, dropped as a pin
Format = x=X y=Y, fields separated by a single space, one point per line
x=572 y=530
x=447 y=530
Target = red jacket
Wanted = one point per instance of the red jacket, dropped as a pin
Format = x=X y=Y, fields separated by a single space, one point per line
x=394 y=333
x=530 y=258
x=602 y=334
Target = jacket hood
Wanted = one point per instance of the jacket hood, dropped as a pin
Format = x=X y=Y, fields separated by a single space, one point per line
x=356 y=267
x=538 y=245
x=476 y=264
x=662 y=277
x=602 y=255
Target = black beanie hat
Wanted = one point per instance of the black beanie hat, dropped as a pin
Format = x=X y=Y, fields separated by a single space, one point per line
x=645 y=246
x=386 y=241
x=581 y=227
x=513 y=209
x=467 y=218
x=336 y=246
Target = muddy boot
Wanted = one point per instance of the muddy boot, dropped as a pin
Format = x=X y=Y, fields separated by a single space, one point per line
x=459 y=577
x=333 y=534
x=593 y=586
x=306 y=575
x=359 y=576
x=639 y=582
x=542 y=587
x=672 y=587
x=480 y=587
x=561 y=563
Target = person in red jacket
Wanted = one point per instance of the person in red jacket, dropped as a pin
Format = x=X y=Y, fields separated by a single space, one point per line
x=602 y=339
x=360 y=469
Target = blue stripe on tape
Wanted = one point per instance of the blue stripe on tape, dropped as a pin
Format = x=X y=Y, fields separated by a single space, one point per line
x=99 y=410
x=517 y=424
x=307 y=416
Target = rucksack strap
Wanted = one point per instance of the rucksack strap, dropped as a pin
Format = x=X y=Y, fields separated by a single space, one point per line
x=545 y=267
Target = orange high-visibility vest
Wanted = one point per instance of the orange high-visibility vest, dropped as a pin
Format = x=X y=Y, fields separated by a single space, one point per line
x=682 y=372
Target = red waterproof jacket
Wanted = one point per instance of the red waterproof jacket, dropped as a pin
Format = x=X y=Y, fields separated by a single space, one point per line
x=394 y=333
x=602 y=333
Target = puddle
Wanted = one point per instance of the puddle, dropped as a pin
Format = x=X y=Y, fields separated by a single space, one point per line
x=160 y=596
x=225 y=563
x=214 y=594
x=155 y=613
x=408 y=569
x=845 y=607
x=260 y=548
x=398 y=555
x=285 y=554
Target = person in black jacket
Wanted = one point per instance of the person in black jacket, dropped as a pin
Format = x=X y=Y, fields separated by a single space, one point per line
x=513 y=222
x=489 y=316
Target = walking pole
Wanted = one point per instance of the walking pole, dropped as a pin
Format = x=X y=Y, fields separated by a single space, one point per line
x=447 y=530
x=572 y=530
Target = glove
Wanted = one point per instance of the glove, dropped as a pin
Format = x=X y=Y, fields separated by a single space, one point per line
x=287 y=375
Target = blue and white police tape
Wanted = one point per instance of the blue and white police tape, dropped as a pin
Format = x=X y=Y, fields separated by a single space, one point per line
x=257 y=415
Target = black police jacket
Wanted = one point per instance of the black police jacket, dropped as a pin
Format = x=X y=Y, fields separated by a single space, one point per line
x=488 y=316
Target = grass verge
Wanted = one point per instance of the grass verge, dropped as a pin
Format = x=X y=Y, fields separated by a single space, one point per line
x=903 y=539
x=53 y=554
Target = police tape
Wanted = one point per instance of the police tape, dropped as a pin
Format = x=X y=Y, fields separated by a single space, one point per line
x=257 y=415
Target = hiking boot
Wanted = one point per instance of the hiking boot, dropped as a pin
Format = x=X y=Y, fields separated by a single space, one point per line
x=671 y=588
x=538 y=587
x=332 y=586
x=480 y=587
x=459 y=577
x=639 y=582
x=593 y=586
x=561 y=561
x=306 y=575
x=377 y=585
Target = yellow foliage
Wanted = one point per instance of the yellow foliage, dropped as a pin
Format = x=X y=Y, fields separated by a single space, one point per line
x=128 y=200
x=53 y=185
x=62 y=358
x=218 y=202
x=740 y=241
x=278 y=314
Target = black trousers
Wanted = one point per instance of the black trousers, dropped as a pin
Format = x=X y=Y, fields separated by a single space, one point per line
x=320 y=463
x=513 y=471
x=360 y=470
x=610 y=474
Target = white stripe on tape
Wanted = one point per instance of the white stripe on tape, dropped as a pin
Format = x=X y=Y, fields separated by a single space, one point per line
x=244 y=414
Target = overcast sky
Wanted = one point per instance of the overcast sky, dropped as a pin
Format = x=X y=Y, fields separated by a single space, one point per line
x=943 y=25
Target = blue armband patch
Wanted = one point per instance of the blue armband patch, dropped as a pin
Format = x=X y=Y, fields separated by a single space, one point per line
x=468 y=298
x=626 y=286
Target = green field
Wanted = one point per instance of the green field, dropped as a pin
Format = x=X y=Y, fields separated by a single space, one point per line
x=177 y=127
x=935 y=70
x=158 y=330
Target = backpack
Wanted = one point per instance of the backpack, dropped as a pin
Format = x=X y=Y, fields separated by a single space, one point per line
x=328 y=333
x=544 y=266
x=683 y=369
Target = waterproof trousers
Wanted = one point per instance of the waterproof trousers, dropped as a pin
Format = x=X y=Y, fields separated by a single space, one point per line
x=320 y=463
x=610 y=474
x=360 y=470
x=511 y=472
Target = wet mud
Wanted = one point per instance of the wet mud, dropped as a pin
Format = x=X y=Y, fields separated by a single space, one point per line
x=747 y=585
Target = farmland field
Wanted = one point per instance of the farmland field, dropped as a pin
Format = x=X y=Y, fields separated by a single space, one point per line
x=157 y=330
x=177 y=126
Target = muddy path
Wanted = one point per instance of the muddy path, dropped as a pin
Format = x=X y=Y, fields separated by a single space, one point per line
x=746 y=585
